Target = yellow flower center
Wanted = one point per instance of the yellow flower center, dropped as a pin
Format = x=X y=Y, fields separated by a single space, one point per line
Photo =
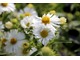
x=45 y=20
x=27 y=14
x=26 y=45
x=63 y=20
x=44 y=33
x=4 y=4
x=28 y=24
x=13 y=41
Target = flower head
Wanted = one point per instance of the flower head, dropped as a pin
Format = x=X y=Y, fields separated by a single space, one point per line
x=14 y=41
x=44 y=33
x=8 y=7
x=28 y=11
x=50 y=19
x=27 y=22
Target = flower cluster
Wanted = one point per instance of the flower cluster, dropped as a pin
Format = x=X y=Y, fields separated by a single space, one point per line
x=23 y=32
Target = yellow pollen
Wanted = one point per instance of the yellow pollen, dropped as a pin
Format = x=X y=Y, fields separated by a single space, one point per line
x=28 y=24
x=26 y=45
x=13 y=41
x=63 y=20
x=4 y=4
x=45 y=20
x=44 y=33
x=27 y=14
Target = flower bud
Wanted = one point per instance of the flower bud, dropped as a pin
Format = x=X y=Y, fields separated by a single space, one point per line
x=62 y=20
x=22 y=15
x=70 y=16
x=8 y=25
x=52 y=12
x=46 y=51
x=30 y=5
x=14 y=20
x=26 y=45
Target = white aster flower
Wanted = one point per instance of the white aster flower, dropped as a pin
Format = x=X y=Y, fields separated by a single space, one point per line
x=44 y=33
x=27 y=22
x=1 y=25
x=27 y=11
x=7 y=7
x=14 y=40
x=49 y=19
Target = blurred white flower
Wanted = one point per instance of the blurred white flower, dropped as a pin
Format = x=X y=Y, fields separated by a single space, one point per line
x=27 y=11
x=14 y=41
x=44 y=33
x=1 y=25
x=7 y=7
x=27 y=22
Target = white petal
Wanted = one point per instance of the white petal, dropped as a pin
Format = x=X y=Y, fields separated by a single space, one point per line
x=55 y=19
x=20 y=36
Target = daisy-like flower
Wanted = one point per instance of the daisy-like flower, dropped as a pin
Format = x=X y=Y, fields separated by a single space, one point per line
x=28 y=11
x=1 y=25
x=50 y=19
x=27 y=22
x=44 y=33
x=14 y=40
x=7 y=7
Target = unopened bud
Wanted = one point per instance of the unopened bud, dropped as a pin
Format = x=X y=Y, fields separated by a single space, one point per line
x=46 y=51
x=8 y=25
